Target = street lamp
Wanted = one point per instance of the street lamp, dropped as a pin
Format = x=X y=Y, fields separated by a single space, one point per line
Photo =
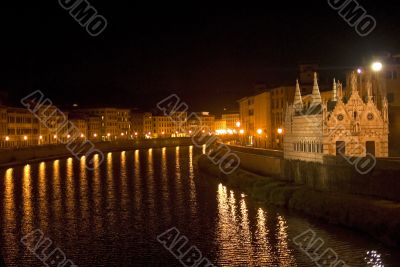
x=377 y=66
x=259 y=132
x=238 y=124
x=280 y=132
x=7 y=138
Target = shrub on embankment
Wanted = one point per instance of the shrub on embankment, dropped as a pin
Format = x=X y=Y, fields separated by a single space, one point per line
x=377 y=217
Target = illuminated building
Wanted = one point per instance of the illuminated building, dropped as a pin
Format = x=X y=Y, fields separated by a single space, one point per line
x=231 y=120
x=220 y=126
x=114 y=122
x=349 y=127
x=22 y=127
x=94 y=129
x=255 y=113
x=202 y=121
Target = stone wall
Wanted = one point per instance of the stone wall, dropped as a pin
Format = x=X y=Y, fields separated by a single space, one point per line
x=335 y=174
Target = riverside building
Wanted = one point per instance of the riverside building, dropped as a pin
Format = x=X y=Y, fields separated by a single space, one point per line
x=350 y=127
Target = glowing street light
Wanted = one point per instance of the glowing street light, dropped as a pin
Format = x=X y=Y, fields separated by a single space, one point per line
x=259 y=131
x=7 y=138
x=82 y=136
x=95 y=135
x=377 y=66
x=40 y=137
x=359 y=70
x=25 y=137
x=238 y=124
x=108 y=134
x=241 y=131
x=122 y=134
x=280 y=131
x=55 y=136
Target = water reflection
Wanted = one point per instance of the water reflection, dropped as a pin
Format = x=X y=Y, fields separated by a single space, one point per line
x=111 y=216
x=27 y=216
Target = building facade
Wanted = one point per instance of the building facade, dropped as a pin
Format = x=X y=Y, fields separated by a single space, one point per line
x=232 y=120
x=350 y=127
x=255 y=118
x=22 y=128
x=115 y=122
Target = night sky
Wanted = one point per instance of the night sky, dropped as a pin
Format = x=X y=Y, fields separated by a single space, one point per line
x=209 y=53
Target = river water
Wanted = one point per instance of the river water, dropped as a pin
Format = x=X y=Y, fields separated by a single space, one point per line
x=112 y=216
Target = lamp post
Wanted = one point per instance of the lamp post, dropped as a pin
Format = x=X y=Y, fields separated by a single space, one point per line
x=280 y=139
x=259 y=132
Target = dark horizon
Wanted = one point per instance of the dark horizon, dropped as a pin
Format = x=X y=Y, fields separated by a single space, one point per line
x=210 y=56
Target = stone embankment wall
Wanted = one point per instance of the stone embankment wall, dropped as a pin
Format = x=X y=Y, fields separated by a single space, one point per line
x=335 y=174
x=24 y=155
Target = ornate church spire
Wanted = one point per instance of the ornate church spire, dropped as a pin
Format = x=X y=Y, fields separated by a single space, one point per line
x=334 y=98
x=353 y=82
x=316 y=95
x=340 y=91
x=369 y=90
x=298 y=102
x=385 y=112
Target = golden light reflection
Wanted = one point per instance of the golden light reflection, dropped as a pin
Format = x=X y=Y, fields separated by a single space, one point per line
x=10 y=213
x=70 y=192
x=227 y=233
x=192 y=186
x=57 y=189
x=138 y=195
x=165 y=191
x=263 y=245
x=43 y=191
x=124 y=186
x=27 y=200
x=285 y=255
x=150 y=185
x=204 y=149
x=246 y=238
x=110 y=188
x=97 y=192
x=178 y=175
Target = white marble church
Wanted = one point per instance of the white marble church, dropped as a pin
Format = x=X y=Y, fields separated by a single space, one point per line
x=350 y=127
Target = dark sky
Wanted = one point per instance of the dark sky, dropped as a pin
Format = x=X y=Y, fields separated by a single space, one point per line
x=209 y=53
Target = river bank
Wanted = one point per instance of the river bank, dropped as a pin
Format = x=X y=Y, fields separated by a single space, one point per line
x=13 y=157
x=377 y=217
